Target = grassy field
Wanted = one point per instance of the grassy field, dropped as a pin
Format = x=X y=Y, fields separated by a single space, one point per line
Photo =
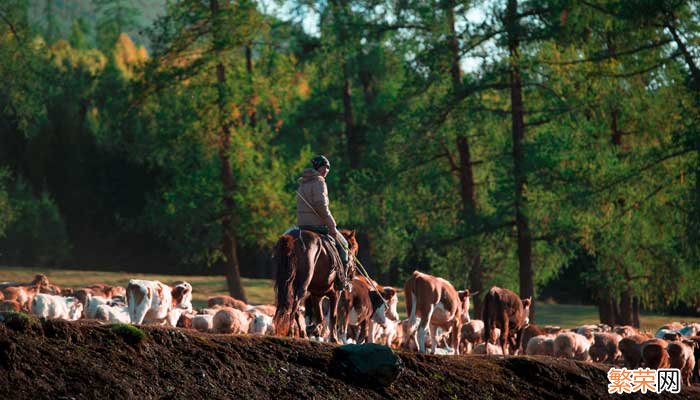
x=260 y=291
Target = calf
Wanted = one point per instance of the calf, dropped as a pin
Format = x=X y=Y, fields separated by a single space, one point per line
x=267 y=309
x=38 y=281
x=56 y=307
x=231 y=320
x=503 y=309
x=472 y=334
x=605 y=347
x=655 y=354
x=154 y=302
x=631 y=349
x=227 y=301
x=572 y=345
x=542 y=345
x=91 y=304
x=360 y=306
x=436 y=302
x=681 y=356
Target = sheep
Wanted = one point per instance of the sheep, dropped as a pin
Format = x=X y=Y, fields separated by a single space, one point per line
x=631 y=349
x=541 y=345
x=203 y=322
x=227 y=301
x=655 y=354
x=681 y=356
x=231 y=320
x=605 y=347
x=56 y=307
x=572 y=345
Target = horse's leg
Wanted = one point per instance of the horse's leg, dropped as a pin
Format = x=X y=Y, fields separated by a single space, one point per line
x=333 y=297
x=317 y=319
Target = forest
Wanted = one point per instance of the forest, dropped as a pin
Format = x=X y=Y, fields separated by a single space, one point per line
x=547 y=146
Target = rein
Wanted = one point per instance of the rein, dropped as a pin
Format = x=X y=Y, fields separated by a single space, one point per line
x=362 y=269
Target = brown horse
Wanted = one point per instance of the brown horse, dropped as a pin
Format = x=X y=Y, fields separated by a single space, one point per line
x=305 y=269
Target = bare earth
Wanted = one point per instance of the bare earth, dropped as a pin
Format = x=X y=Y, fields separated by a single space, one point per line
x=87 y=360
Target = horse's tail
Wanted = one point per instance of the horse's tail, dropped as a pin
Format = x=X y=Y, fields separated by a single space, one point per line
x=286 y=272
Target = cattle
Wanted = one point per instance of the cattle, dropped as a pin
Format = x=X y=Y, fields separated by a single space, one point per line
x=681 y=356
x=472 y=334
x=438 y=305
x=2 y=296
x=231 y=320
x=387 y=333
x=227 y=301
x=10 y=305
x=572 y=345
x=56 y=307
x=605 y=347
x=503 y=309
x=655 y=354
x=631 y=350
x=154 y=302
x=360 y=306
x=541 y=345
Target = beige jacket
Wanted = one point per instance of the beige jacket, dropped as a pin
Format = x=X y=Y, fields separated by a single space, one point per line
x=313 y=187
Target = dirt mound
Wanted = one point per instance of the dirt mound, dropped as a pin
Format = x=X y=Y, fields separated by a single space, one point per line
x=77 y=360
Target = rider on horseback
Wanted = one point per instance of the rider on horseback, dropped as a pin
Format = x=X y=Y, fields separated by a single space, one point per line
x=312 y=204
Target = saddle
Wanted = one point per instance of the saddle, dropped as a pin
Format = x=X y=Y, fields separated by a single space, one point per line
x=342 y=276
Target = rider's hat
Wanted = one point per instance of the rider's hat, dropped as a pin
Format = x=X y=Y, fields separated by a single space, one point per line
x=319 y=161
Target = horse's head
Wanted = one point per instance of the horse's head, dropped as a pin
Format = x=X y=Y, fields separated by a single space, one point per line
x=352 y=240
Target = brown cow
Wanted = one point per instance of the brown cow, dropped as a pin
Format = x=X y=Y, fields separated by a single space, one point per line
x=505 y=310
x=438 y=305
x=360 y=306
x=40 y=280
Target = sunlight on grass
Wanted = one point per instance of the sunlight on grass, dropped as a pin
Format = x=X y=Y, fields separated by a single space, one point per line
x=260 y=291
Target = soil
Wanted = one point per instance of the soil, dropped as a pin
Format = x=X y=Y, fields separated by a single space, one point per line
x=87 y=360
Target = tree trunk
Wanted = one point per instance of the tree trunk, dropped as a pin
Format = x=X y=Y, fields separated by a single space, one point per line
x=228 y=246
x=527 y=285
x=466 y=172
x=605 y=308
x=625 y=315
x=353 y=141
x=635 y=312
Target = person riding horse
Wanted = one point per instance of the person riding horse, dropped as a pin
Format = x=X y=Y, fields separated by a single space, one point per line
x=313 y=213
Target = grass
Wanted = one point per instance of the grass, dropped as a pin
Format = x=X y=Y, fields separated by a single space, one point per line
x=260 y=291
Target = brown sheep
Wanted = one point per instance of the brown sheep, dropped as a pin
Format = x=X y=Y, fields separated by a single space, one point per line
x=605 y=347
x=681 y=356
x=631 y=350
x=231 y=320
x=655 y=354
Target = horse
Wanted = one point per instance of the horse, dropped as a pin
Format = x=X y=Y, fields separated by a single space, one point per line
x=304 y=268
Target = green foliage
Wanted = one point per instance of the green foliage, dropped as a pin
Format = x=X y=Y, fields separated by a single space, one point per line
x=128 y=333
x=37 y=233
